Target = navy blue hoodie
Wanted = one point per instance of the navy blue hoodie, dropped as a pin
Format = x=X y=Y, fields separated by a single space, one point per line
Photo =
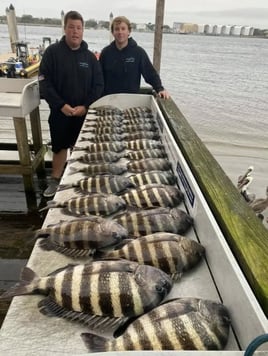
x=122 y=69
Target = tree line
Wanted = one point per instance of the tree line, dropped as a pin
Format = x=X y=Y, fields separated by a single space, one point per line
x=90 y=23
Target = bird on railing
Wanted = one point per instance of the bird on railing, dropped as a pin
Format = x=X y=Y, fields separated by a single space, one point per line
x=260 y=204
x=243 y=183
x=249 y=197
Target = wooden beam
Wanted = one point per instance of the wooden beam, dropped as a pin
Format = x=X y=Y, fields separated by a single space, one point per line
x=159 y=21
x=244 y=232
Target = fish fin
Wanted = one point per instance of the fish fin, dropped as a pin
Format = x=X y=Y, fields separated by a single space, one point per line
x=73 y=170
x=49 y=307
x=94 y=343
x=25 y=286
x=47 y=245
x=175 y=276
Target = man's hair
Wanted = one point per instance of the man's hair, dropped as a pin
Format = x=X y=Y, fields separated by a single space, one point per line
x=73 y=15
x=117 y=20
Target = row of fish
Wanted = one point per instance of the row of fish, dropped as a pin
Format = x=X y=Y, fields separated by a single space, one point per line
x=131 y=237
x=103 y=204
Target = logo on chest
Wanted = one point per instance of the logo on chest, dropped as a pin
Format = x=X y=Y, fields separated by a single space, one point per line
x=83 y=64
x=129 y=60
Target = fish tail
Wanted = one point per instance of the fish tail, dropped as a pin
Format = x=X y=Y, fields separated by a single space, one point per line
x=64 y=186
x=94 y=343
x=50 y=204
x=73 y=170
x=27 y=284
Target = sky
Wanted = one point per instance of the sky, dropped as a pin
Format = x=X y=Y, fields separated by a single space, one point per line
x=225 y=12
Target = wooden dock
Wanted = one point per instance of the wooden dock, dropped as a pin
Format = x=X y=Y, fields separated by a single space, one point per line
x=11 y=186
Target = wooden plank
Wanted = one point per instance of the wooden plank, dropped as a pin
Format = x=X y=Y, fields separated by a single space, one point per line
x=245 y=234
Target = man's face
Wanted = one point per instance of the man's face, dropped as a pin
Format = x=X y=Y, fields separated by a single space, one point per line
x=74 y=33
x=121 y=33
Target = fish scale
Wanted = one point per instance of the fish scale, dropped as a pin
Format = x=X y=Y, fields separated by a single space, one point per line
x=145 y=222
x=149 y=164
x=178 y=324
x=158 y=177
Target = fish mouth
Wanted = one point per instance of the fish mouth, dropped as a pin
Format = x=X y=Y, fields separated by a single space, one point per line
x=164 y=287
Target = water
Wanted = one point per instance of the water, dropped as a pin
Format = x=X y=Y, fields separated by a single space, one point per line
x=219 y=83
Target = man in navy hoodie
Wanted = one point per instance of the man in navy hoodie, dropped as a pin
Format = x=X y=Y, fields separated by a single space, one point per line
x=124 y=62
x=70 y=79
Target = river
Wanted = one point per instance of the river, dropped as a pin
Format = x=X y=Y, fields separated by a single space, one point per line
x=219 y=83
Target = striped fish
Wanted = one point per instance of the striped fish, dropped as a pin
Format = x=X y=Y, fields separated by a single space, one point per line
x=146 y=153
x=94 y=157
x=153 y=195
x=112 y=126
x=94 y=204
x=160 y=177
x=99 y=294
x=102 y=168
x=105 y=110
x=104 y=138
x=102 y=130
x=81 y=237
x=104 y=120
x=178 y=324
x=149 y=164
x=138 y=120
x=150 y=135
x=110 y=184
x=137 y=112
x=102 y=146
x=143 y=144
x=172 y=253
x=146 y=222
x=137 y=128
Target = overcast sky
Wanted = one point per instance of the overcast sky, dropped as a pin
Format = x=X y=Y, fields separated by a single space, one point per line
x=233 y=12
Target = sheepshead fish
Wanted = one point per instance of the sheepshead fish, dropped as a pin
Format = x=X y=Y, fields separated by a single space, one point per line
x=153 y=195
x=112 y=120
x=82 y=236
x=111 y=184
x=160 y=177
x=138 y=121
x=146 y=153
x=172 y=253
x=99 y=129
x=143 y=144
x=102 y=146
x=99 y=294
x=97 y=157
x=146 y=222
x=101 y=168
x=137 y=111
x=138 y=128
x=94 y=204
x=105 y=138
x=178 y=324
x=149 y=164
x=108 y=110
x=150 y=135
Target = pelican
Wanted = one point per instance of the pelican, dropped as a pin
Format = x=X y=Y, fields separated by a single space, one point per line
x=243 y=190
x=259 y=205
x=244 y=179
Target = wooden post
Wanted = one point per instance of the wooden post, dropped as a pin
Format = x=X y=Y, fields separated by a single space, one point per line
x=62 y=22
x=12 y=27
x=110 y=24
x=159 y=20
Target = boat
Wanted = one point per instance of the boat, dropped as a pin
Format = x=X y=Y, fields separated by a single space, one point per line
x=234 y=272
x=24 y=65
